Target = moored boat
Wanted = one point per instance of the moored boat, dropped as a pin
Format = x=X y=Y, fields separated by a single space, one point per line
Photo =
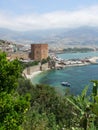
x=65 y=84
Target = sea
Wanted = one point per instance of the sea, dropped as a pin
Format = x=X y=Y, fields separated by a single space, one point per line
x=78 y=76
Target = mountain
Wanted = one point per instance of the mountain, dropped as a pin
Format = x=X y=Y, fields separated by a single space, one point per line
x=77 y=36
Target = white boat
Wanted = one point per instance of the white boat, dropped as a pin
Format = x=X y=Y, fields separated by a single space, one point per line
x=65 y=84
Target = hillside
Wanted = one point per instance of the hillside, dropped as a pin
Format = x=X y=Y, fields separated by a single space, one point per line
x=78 y=36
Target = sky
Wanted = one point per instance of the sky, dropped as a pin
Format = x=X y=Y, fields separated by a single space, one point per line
x=25 y=15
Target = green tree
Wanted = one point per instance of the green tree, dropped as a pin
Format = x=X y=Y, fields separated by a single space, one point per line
x=85 y=110
x=9 y=74
x=12 y=105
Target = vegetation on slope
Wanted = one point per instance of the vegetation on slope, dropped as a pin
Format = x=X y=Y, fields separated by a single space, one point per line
x=12 y=105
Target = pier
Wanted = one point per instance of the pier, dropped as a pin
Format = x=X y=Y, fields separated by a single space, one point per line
x=61 y=63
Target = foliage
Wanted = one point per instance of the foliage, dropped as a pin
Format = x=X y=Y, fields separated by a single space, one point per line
x=43 y=61
x=9 y=73
x=12 y=105
x=12 y=110
x=87 y=109
x=44 y=100
x=37 y=121
x=40 y=115
x=24 y=86
x=25 y=65
x=95 y=106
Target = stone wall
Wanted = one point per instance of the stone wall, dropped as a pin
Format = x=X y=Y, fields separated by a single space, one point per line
x=30 y=70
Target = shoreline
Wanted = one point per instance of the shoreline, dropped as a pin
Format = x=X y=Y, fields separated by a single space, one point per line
x=35 y=73
x=31 y=76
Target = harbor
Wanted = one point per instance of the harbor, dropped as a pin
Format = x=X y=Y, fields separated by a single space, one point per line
x=61 y=63
x=76 y=71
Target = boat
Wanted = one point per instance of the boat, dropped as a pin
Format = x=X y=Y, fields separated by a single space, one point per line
x=66 y=84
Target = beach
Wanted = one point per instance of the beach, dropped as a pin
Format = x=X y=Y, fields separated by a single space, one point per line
x=33 y=74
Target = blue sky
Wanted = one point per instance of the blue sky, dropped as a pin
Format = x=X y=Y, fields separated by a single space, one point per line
x=43 y=14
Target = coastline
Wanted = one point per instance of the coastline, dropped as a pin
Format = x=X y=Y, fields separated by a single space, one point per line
x=31 y=76
x=35 y=73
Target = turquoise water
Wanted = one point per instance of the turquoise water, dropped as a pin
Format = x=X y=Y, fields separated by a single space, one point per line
x=78 y=76
x=77 y=55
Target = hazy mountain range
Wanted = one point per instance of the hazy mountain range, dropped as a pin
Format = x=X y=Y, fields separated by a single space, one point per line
x=77 y=36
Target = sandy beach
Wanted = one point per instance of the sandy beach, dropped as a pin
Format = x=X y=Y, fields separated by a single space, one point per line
x=32 y=71
x=33 y=74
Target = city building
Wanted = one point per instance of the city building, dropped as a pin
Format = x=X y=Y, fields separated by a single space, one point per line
x=39 y=51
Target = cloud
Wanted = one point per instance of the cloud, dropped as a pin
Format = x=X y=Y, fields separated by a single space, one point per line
x=58 y=19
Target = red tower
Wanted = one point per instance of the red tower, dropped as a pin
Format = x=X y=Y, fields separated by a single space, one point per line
x=39 y=51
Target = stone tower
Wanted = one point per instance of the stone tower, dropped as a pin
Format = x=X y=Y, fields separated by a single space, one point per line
x=39 y=51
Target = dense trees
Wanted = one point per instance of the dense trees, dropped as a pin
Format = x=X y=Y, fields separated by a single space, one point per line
x=9 y=73
x=12 y=105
